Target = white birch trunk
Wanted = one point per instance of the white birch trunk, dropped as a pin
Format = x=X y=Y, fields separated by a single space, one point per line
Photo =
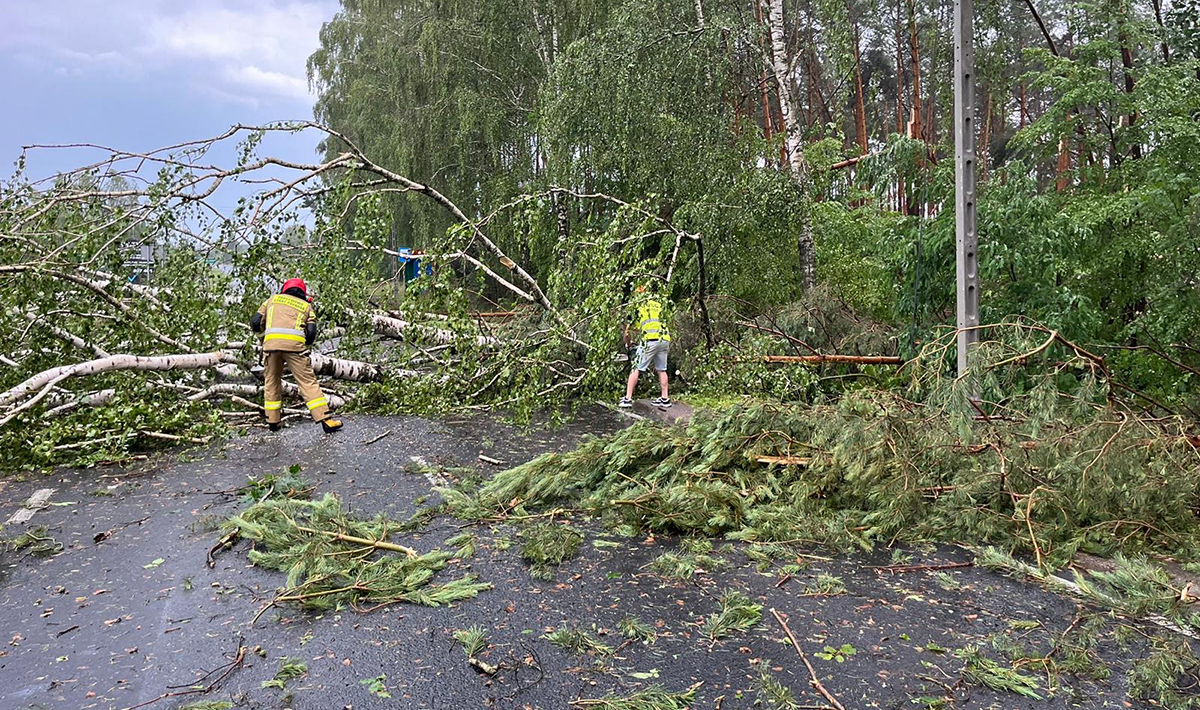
x=401 y=329
x=795 y=140
x=353 y=370
x=110 y=363
x=67 y=336
x=231 y=388
x=94 y=399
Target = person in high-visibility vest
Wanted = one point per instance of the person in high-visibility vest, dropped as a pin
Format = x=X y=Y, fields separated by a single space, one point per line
x=289 y=327
x=654 y=340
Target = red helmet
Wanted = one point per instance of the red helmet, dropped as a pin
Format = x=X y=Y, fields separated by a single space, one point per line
x=294 y=283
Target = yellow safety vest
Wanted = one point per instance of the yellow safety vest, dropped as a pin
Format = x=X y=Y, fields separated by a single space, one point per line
x=649 y=316
x=281 y=324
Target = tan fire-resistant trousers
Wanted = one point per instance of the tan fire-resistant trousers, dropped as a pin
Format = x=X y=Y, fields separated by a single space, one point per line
x=301 y=369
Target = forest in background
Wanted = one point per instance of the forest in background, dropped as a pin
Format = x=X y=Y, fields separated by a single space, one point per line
x=781 y=172
x=810 y=143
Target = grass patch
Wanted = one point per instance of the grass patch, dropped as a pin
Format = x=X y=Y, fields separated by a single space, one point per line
x=737 y=613
x=547 y=545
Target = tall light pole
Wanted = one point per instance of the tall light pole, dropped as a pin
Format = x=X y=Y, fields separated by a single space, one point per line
x=966 y=237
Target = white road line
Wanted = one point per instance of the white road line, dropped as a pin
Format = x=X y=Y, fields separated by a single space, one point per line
x=36 y=502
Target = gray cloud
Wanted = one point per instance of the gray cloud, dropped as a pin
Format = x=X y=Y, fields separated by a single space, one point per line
x=239 y=52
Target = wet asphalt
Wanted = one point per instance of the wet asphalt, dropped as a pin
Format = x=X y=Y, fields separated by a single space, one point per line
x=129 y=611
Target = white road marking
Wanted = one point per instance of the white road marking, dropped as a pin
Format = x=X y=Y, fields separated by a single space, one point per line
x=36 y=502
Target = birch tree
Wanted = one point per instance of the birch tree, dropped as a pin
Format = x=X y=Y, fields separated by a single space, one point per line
x=794 y=133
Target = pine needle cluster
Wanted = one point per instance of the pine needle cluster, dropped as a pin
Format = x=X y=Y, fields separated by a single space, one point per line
x=653 y=698
x=578 y=641
x=332 y=559
x=547 y=545
x=737 y=613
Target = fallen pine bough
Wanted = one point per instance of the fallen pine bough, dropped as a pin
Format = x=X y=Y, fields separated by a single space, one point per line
x=1048 y=473
x=332 y=559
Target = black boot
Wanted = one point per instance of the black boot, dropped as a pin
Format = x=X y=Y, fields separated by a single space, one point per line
x=274 y=426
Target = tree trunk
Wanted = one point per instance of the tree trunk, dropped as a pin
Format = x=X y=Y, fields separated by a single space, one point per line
x=1166 y=51
x=403 y=330
x=899 y=74
x=110 y=363
x=860 y=109
x=917 y=128
x=767 y=112
x=1127 y=65
x=1064 y=164
x=805 y=244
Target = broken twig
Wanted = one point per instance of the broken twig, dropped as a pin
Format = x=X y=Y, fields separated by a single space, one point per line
x=815 y=682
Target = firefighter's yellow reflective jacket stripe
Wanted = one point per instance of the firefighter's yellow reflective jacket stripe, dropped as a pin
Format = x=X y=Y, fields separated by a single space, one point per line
x=284 y=321
x=650 y=322
x=284 y=334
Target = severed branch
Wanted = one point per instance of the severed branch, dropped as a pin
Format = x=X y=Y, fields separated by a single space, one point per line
x=197 y=689
x=815 y=681
x=835 y=359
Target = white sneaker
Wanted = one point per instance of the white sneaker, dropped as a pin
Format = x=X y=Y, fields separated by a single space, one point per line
x=625 y=403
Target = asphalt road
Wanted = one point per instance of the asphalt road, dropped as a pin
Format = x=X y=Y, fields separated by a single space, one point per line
x=129 y=611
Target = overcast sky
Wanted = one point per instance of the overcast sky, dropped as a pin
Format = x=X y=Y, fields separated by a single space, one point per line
x=139 y=74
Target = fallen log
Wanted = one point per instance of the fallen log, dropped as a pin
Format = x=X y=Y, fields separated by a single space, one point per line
x=337 y=368
x=95 y=399
x=234 y=391
x=836 y=359
x=403 y=330
x=114 y=362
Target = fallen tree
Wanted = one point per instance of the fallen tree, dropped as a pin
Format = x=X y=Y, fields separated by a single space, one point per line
x=1034 y=465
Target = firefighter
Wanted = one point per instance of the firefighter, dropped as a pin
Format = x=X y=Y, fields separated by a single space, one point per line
x=289 y=327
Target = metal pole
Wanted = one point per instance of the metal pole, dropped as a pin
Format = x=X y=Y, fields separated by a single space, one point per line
x=966 y=238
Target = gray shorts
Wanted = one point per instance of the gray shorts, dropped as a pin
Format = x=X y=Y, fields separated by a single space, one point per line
x=653 y=352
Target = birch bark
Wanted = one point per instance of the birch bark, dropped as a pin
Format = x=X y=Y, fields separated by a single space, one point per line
x=795 y=140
